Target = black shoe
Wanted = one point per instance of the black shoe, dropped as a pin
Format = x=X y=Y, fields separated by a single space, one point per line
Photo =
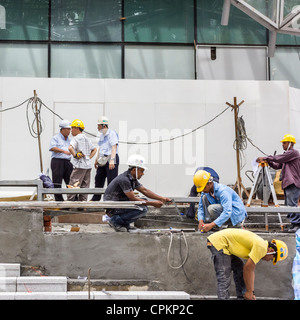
x=131 y=228
x=117 y=228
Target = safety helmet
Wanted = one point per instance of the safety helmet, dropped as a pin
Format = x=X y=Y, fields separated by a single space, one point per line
x=288 y=138
x=77 y=123
x=103 y=120
x=136 y=161
x=65 y=124
x=201 y=177
x=282 y=251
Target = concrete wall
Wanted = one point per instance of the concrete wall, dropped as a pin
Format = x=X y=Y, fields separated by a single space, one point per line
x=129 y=256
x=145 y=111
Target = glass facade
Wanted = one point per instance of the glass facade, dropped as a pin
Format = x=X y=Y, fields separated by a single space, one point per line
x=241 y=29
x=89 y=21
x=169 y=21
x=123 y=38
x=25 y=20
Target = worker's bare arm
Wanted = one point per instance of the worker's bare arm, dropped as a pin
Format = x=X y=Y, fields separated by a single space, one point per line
x=249 y=276
x=132 y=197
x=150 y=194
x=58 y=150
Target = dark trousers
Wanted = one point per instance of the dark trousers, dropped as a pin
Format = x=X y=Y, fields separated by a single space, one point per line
x=291 y=196
x=123 y=217
x=224 y=264
x=102 y=174
x=61 y=171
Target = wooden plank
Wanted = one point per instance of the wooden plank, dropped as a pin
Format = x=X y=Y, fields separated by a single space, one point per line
x=281 y=209
x=72 y=190
x=69 y=204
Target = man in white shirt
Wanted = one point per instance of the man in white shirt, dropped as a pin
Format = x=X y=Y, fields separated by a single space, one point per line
x=61 y=166
x=107 y=159
x=82 y=150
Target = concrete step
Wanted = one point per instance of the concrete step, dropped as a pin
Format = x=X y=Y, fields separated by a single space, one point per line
x=96 y=295
x=41 y=284
x=56 y=288
x=33 y=284
x=9 y=269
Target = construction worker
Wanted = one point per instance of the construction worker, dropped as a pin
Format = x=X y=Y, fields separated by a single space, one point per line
x=229 y=246
x=82 y=150
x=107 y=159
x=289 y=163
x=122 y=189
x=219 y=204
x=61 y=166
x=191 y=212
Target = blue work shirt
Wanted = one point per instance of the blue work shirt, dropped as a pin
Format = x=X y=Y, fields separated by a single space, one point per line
x=60 y=142
x=106 y=141
x=233 y=207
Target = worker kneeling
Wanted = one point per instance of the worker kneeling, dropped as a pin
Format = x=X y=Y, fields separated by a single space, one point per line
x=219 y=204
x=122 y=188
x=231 y=245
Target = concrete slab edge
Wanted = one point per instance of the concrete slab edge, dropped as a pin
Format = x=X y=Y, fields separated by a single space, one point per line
x=96 y=295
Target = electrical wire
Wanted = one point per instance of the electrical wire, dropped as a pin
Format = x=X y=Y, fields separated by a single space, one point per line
x=169 y=250
x=240 y=142
x=180 y=136
x=17 y=106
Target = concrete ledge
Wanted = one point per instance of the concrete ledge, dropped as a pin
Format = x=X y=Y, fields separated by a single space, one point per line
x=9 y=269
x=7 y=295
x=128 y=295
x=40 y=296
x=8 y=284
x=80 y=295
x=168 y=295
x=42 y=284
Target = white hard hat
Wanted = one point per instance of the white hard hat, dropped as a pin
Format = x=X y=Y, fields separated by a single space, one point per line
x=103 y=120
x=65 y=124
x=136 y=160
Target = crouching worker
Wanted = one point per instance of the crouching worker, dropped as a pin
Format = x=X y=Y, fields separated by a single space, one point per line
x=122 y=189
x=218 y=205
x=231 y=245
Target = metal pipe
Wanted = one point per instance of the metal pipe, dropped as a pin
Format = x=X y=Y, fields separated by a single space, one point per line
x=225 y=13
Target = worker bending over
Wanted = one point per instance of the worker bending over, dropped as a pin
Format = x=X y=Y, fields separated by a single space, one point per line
x=122 y=189
x=231 y=245
x=219 y=204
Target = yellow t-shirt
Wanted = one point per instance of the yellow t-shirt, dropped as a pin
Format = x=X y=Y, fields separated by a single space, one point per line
x=239 y=242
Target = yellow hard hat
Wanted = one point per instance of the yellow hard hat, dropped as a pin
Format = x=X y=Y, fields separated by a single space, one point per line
x=282 y=250
x=288 y=138
x=77 y=123
x=201 y=177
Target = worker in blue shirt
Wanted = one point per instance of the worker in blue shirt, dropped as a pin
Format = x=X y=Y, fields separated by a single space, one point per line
x=191 y=212
x=107 y=159
x=219 y=204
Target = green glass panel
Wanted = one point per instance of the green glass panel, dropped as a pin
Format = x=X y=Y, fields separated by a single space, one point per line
x=241 y=28
x=89 y=20
x=285 y=66
x=159 y=62
x=289 y=6
x=268 y=8
x=85 y=61
x=287 y=39
x=23 y=60
x=159 y=21
x=24 y=20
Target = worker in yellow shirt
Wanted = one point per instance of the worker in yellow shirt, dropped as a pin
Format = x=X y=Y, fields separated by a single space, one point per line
x=231 y=245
